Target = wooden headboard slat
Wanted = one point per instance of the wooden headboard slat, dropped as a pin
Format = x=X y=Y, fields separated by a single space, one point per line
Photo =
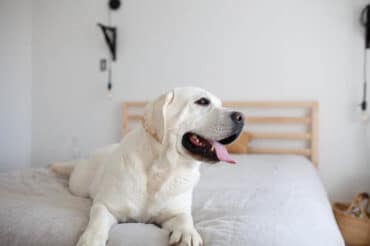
x=305 y=152
x=135 y=117
x=136 y=104
x=310 y=121
x=279 y=135
x=268 y=104
x=279 y=120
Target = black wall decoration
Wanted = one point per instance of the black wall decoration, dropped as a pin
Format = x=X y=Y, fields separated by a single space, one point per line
x=114 y=4
x=110 y=37
x=365 y=21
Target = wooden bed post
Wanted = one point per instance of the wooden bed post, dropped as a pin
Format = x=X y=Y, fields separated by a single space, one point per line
x=125 y=120
x=315 y=135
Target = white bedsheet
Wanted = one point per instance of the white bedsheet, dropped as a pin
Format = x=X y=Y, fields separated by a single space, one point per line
x=264 y=200
x=261 y=201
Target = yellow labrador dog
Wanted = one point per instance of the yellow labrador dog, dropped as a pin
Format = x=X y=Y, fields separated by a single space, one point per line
x=150 y=175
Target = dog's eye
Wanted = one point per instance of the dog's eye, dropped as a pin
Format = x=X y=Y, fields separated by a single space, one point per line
x=203 y=101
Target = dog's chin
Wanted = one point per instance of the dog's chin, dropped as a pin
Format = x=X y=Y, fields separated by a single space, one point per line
x=202 y=149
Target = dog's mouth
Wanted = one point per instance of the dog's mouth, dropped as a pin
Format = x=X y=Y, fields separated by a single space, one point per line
x=208 y=150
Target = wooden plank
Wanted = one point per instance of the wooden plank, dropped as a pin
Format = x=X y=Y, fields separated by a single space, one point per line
x=125 y=119
x=315 y=134
x=279 y=135
x=136 y=104
x=278 y=120
x=305 y=152
x=269 y=104
x=135 y=117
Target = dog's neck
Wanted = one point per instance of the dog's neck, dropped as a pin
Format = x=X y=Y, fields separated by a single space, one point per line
x=150 y=131
x=149 y=144
x=163 y=150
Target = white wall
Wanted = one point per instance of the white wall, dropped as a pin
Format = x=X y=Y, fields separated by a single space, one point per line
x=15 y=83
x=70 y=110
x=238 y=49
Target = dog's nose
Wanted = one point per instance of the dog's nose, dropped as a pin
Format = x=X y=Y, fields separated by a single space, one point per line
x=237 y=117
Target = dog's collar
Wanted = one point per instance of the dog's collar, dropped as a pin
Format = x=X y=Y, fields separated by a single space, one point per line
x=150 y=131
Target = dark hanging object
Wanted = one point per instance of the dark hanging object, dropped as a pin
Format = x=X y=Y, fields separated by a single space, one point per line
x=114 y=4
x=110 y=36
x=110 y=32
x=109 y=85
x=365 y=21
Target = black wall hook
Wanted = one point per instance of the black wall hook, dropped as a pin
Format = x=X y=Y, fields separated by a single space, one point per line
x=110 y=36
x=365 y=21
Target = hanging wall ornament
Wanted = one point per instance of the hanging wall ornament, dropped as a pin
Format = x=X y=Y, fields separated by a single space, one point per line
x=365 y=21
x=114 y=4
x=110 y=37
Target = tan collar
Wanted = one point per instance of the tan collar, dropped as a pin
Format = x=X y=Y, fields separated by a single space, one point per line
x=150 y=131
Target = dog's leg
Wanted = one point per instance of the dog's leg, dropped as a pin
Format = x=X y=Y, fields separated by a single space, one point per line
x=182 y=231
x=97 y=230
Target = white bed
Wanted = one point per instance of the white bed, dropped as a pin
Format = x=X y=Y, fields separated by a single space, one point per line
x=264 y=200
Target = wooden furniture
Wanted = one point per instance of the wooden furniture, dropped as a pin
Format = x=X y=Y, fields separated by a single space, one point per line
x=272 y=118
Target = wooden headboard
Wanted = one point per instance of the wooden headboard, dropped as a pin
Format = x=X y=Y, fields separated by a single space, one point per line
x=279 y=120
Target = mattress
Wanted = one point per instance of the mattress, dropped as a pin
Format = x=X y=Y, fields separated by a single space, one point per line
x=263 y=200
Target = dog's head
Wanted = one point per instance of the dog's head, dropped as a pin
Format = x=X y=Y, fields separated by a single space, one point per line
x=197 y=121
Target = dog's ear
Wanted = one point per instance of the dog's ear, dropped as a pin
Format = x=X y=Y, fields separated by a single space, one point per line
x=155 y=116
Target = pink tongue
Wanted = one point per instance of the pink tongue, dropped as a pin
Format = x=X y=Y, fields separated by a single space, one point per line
x=222 y=153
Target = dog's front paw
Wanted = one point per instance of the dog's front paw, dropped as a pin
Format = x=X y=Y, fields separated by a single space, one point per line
x=89 y=239
x=185 y=238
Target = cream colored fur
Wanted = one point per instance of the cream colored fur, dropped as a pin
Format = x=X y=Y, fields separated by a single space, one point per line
x=149 y=176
